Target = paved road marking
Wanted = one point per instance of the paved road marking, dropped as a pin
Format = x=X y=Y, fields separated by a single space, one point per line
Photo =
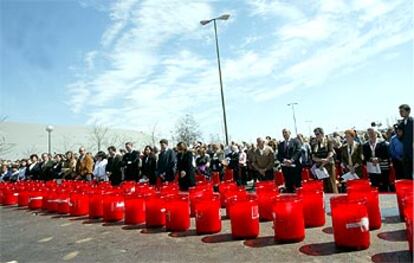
x=83 y=240
x=44 y=240
x=71 y=255
x=66 y=224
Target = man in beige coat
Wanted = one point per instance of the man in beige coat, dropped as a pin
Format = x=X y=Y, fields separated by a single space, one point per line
x=84 y=166
x=263 y=160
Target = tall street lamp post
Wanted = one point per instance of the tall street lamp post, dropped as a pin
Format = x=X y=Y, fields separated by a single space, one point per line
x=205 y=22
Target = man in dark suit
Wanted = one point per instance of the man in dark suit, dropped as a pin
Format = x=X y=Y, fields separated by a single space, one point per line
x=46 y=167
x=131 y=162
x=407 y=140
x=376 y=152
x=288 y=155
x=114 y=166
x=166 y=164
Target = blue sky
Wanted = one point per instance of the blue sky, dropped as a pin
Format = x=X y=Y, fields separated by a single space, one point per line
x=135 y=64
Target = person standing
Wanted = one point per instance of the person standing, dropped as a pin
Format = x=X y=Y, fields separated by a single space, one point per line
x=166 y=164
x=217 y=158
x=288 y=155
x=33 y=172
x=84 y=166
x=185 y=167
x=114 y=166
x=376 y=153
x=149 y=165
x=263 y=160
x=407 y=140
x=99 y=172
x=351 y=154
x=243 y=165
x=233 y=163
x=203 y=162
x=397 y=151
x=46 y=167
x=69 y=167
x=131 y=162
x=323 y=156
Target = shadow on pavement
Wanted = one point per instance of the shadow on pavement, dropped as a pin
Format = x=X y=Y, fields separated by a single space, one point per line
x=321 y=249
x=153 y=230
x=188 y=233
x=218 y=239
x=133 y=227
x=79 y=218
x=394 y=256
x=92 y=221
x=118 y=223
x=397 y=235
x=261 y=242
x=328 y=230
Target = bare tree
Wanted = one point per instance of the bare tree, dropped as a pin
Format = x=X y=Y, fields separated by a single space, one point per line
x=98 y=135
x=29 y=150
x=187 y=130
x=5 y=147
x=153 y=135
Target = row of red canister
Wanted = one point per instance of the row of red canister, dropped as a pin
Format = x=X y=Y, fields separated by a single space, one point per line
x=353 y=214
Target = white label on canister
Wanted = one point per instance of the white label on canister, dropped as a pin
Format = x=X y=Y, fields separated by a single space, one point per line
x=163 y=210
x=119 y=204
x=363 y=224
x=255 y=212
x=16 y=194
x=35 y=198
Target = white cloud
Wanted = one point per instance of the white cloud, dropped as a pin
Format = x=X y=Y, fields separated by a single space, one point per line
x=155 y=64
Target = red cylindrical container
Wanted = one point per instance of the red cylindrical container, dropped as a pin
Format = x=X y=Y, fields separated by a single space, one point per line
x=313 y=207
x=312 y=186
x=228 y=174
x=113 y=207
x=233 y=196
x=35 y=200
x=134 y=210
x=244 y=218
x=223 y=189
x=374 y=212
x=177 y=214
x=154 y=211
x=10 y=197
x=194 y=194
x=401 y=187
x=23 y=199
x=215 y=178
x=265 y=201
x=208 y=216
x=358 y=185
x=350 y=222
x=96 y=205
x=52 y=204
x=79 y=204
x=265 y=186
x=63 y=203
x=288 y=221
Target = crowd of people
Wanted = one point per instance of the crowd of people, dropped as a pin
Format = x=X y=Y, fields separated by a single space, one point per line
x=328 y=157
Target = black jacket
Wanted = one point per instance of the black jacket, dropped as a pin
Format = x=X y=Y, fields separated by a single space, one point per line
x=131 y=163
x=149 y=165
x=407 y=139
x=114 y=167
x=166 y=164
x=185 y=163
x=381 y=152
x=292 y=152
